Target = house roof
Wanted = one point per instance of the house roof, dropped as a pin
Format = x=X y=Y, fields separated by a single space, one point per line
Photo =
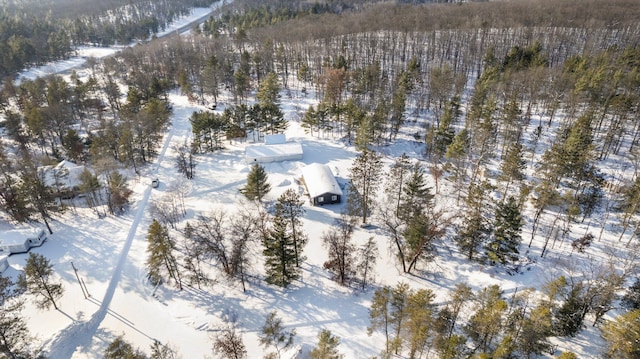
x=285 y=150
x=18 y=236
x=67 y=173
x=320 y=180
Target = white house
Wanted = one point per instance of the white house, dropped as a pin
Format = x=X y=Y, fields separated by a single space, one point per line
x=275 y=149
x=321 y=185
x=20 y=241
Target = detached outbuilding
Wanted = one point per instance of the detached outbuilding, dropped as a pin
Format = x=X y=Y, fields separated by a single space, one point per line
x=275 y=149
x=321 y=185
x=20 y=241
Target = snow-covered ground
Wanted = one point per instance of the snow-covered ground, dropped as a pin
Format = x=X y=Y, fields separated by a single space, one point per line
x=110 y=256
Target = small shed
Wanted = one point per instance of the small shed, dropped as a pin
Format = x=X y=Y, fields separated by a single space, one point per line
x=4 y=262
x=321 y=185
x=290 y=151
x=20 y=241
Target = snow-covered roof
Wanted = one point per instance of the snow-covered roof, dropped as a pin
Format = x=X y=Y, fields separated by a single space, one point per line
x=320 y=180
x=18 y=236
x=272 y=153
x=276 y=139
x=67 y=173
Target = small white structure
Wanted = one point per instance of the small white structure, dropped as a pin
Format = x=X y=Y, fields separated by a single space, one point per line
x=20 y=241
x=4 y=262
x=321 y=185
x=275 y=149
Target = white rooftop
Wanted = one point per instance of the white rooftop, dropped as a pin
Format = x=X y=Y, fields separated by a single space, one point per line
x=274 y=152
x=320 y=180
x=67 y=173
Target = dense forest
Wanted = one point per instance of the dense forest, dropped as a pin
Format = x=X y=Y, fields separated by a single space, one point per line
x=527 y=110
x=35 y=32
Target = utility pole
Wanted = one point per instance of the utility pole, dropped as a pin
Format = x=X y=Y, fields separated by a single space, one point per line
x=85 y=292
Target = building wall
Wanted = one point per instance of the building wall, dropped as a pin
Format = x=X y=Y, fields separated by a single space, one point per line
x=327 y=198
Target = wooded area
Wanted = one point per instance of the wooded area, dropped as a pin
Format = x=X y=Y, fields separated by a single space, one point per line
x=527 y=110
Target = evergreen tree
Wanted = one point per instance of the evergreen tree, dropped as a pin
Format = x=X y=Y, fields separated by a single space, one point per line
x=367 y=255
x=512 y=166
x=365 y=176
x=380 y=314
x=268 y=91
x=37 y=280
x=535 y=330
x=623 y=336
x=161 y=258
x=118 y=193
x=162 y=351
x=631 y=300
x=474 y=230
x=289 y=206
x=419 y=323
x=14 y=334
x=570 y=316
x=503 y=246
x=398 y=313
x=327 y=347
x=487 y=320
x=396 y=179
x=40 y=197
x=274 y=334
x=257 y=184
x=279 y=254
x=121 y=349
x=416 y=196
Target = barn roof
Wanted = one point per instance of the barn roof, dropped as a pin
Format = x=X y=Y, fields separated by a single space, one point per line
x=320 y=180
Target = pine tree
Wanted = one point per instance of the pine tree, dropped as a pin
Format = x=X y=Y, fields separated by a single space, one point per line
x=37 y=280
x=631 y=300
x=121 y=349
x=503 y=246
x=279 y=255
x=419 y=323
x=487 y=321
x=380 y=314
x=289 y=206
x=14 y=334
x=367 y=255
x=398 y=313
x=535 y=330
x=416 y=196
x=396 y=179
x=161 y=258
x=257 y=184
x=365 y=176
x=623 y=336
x=119 y=193
x=268 y=91
x=512 y=166
x=39 y=196
x=274 y=334
x=327 y=347
x=474 y=230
